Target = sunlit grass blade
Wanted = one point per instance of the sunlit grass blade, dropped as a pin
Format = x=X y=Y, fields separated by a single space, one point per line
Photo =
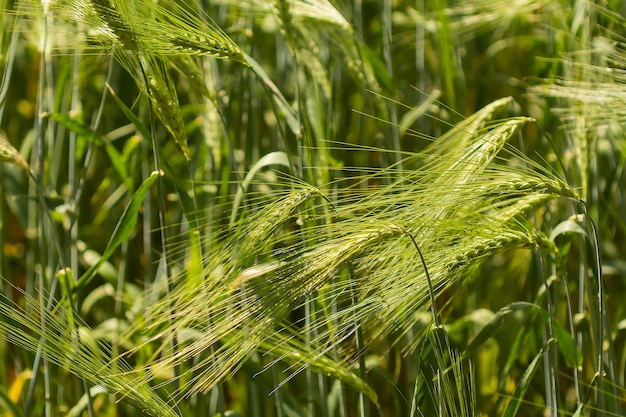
x=125 y=226
x=522 y=386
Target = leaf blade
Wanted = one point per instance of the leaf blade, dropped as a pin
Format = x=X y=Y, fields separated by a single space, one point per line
x=123 y=229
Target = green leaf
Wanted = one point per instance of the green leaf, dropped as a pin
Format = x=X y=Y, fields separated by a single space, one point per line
x=272 y=158
x=567 y=226
x=81 y=406
x=520 y=391
x=591 y=389
x=229 y=413
x=567 y=345
x=416 y=112
x=143 y=130
x=87 y=134
x=279 y=99
x=123 y=229
x=96 y=295
x=378 y=66
x=494 y=324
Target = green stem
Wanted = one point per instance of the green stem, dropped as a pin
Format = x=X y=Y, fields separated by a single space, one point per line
x=161 y=211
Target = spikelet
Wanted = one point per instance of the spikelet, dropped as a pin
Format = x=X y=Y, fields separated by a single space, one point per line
x=310 y=56
x=480 y=153
x=188 y=33
x=9 y=154
x=455 y=141
x=480 y=248
x=508 y=194
x=191 y=69
x=88 y=359
x=145 y=34
x=515 y=184
x=164 y=100
x=163 y=28
x=276 y=214
x=244 y=314
x=193 y=44
x=320 y=12
x=285 y=286
x=118 y=25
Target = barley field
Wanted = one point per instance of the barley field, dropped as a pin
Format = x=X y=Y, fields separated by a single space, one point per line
x=329 y=208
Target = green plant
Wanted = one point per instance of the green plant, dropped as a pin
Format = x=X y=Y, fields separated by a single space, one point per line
x=230 y=208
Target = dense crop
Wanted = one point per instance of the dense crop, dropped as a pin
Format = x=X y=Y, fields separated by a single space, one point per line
x=312 y=208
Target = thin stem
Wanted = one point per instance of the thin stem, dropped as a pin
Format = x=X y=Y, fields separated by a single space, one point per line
x=8 y=69
x=161 y=218
x=363 y=407
x=548 y=357
x=277 y=396
x=570 y=321
x=40 y=268
x=433 y=305
x=601 y=313
x=391 y=108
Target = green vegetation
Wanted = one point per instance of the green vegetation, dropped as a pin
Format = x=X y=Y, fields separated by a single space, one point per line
x=326 y=208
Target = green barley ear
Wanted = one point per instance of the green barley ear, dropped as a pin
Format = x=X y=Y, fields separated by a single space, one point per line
x=192 y=33
x=145 y=37
x=153 y=79
x=88 y=359
x=453 y=386
x=9 y=154
x=162 y=93
x=165 y=28
x=455 y=141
